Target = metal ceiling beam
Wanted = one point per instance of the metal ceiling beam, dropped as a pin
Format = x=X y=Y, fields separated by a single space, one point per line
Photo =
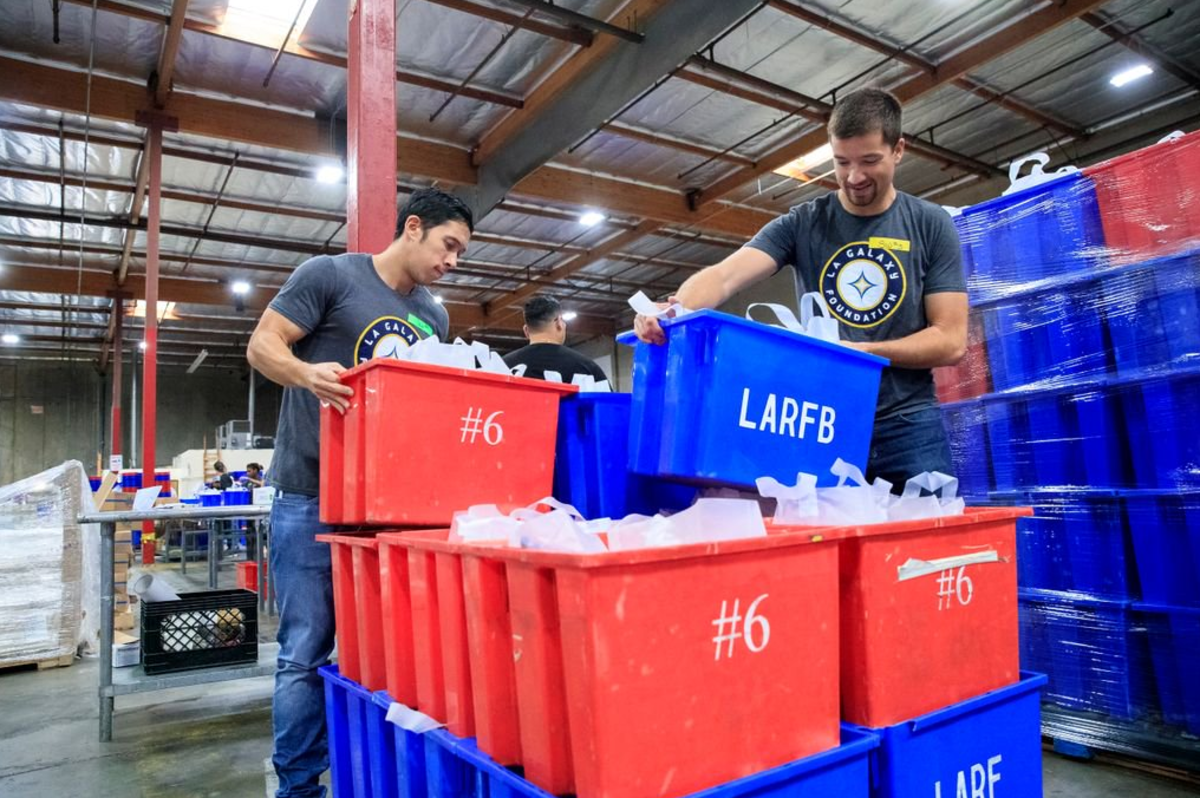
x=94 y=249
x=66 y=90
x=841 y=28
x=692 y=148
x=573 y=35
x=165 y=74
x=591 y=89
x=580 y=20
x=1164 y=61
x=98 y=281
x=1025 y=29
x=402 y=76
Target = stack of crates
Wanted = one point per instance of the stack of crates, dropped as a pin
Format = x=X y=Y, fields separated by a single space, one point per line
x=1088 y=292
x=803 y=663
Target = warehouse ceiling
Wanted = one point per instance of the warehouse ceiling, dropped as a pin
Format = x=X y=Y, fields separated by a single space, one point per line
x=683 y=165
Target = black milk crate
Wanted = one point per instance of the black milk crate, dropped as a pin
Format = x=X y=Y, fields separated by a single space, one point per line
x=200 y=630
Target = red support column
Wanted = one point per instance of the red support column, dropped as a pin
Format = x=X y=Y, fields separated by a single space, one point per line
x=371 y=126
x=150 y=363
x=118 y=357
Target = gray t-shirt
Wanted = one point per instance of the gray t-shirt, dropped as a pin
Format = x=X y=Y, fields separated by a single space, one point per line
x=874 y=273
x=349 y=315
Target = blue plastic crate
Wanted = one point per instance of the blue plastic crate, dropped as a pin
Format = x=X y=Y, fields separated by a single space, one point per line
x=401 y=755
x=457 y=768
x=1043 y=560
x=1094 y=656
x=1165 y=529
x=1174 y=636
x=1017 y=346
x=1055 y=443
x=1177 y=284
x=736 y=400
x=1008 y=442
x=1164 y=431
x=966 y=431
x=591 y=465
x=966 y=749
x=1074 y=331
x=1098 y=557
x=1104 y=446
x=349 y=711
x=1030 y=235
x=1134 y=320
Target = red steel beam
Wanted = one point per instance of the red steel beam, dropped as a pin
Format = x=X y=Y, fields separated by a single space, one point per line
x=154 y=139
x=371 y=126
x=117 y=342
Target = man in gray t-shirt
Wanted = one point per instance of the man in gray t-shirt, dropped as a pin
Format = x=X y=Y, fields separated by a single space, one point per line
x=334 y=313
x=889 y=268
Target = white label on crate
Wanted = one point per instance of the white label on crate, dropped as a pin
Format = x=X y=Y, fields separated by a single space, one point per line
x=789 y=417
x=976 y=782
x=116 y=462
x=475 y=425
x=755 y=631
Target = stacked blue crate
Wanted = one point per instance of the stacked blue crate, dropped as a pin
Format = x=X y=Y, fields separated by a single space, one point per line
x=1095 y=361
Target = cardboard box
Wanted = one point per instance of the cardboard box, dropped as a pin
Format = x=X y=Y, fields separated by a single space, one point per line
x=127 y=649
x=123 y=621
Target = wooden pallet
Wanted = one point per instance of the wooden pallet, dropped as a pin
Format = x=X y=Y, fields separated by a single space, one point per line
x=42 y=664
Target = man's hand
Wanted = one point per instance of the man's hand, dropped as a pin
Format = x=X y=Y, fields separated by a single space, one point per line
x=647 y=327
x=322 y=380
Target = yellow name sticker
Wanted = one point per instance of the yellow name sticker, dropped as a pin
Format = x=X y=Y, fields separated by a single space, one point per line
x=896 y=244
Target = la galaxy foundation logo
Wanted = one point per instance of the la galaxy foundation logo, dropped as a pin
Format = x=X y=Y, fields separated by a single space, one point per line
x=863 y=285
x=387 y=336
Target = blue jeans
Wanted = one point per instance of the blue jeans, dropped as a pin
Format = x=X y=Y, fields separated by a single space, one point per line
x=303 y=576
x=907 y=444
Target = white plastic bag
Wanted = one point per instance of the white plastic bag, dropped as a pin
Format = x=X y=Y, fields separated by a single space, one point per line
x=912 y=505
x=857 y=503
x=822 y=326
x=645 y=306
x=794 y=504
x=1036 y=175
x=706 y=521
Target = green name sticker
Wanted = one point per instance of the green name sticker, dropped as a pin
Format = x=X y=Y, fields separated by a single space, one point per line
x=419 y=324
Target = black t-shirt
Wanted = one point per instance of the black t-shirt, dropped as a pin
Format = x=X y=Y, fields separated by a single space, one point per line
x=540 y=358
x=223 y=481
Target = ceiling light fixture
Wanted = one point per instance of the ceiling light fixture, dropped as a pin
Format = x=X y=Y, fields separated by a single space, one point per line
x=241 y=288
x=1130 y=75
x=11 y=338
x=570 y=315
x=438 y=299
x=798 y=169
x=592 y=218
x=142 y=345
x=330 y=173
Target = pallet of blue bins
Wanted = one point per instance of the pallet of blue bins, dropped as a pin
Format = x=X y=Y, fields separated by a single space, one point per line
x=591 y=463
x=727 y=400
x=990 y=745
x=372 y=758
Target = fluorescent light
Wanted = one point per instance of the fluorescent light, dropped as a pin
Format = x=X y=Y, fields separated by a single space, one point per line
x=199 y=359
x=570 y=315
x=330 y=173
x=798 y=169
x=142 y=345
x=240 y=287
x=1130 y=75
x=438 y=299
x=166 y=310
x=592 y=218
x=11 y=338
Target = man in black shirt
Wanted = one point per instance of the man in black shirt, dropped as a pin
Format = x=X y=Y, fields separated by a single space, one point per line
x=223 y=480
x=546 y=331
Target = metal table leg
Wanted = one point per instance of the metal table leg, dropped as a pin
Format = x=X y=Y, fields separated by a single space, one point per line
x=213 y=548
x=108 y=532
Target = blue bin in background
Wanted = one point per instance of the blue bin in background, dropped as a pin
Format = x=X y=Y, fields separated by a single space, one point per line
x=209 y=498
x=1164 y=431
x=1030 y=235
x=131 y=481
x=1177 y=284
x=1134 y=320
x=1073 y=322
x=457 y=768
x=1165 y=529
x=1043 y=558
x=966 y=430
x=94 y=483
x=1008 y=441
x=591 y=465
x=993 y=739
x=1102 y=436
x=1099 y=552
x=1017 y=348
x=739 y=400
x=1095 y=657
x=1055 y=445
x=1174 y=637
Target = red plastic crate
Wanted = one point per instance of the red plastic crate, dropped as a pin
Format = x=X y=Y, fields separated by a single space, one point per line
x=661 y=672
x=916 y=642
x=422 y=442
x=357 y=608
x=247 y=575
x=970 y=377
x=1149 y=200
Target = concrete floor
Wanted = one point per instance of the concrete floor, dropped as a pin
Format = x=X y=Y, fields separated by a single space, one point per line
x=212 y=741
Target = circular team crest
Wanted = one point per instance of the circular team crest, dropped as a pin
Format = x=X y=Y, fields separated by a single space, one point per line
x=387 y=336
x=863 y=285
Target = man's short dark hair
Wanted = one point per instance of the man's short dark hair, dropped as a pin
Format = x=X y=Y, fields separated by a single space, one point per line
x=219 y=467
x=540 y=311
x=434 y=207
x=864 y=111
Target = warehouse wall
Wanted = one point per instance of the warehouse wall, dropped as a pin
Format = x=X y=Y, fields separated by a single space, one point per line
x=73 y=401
